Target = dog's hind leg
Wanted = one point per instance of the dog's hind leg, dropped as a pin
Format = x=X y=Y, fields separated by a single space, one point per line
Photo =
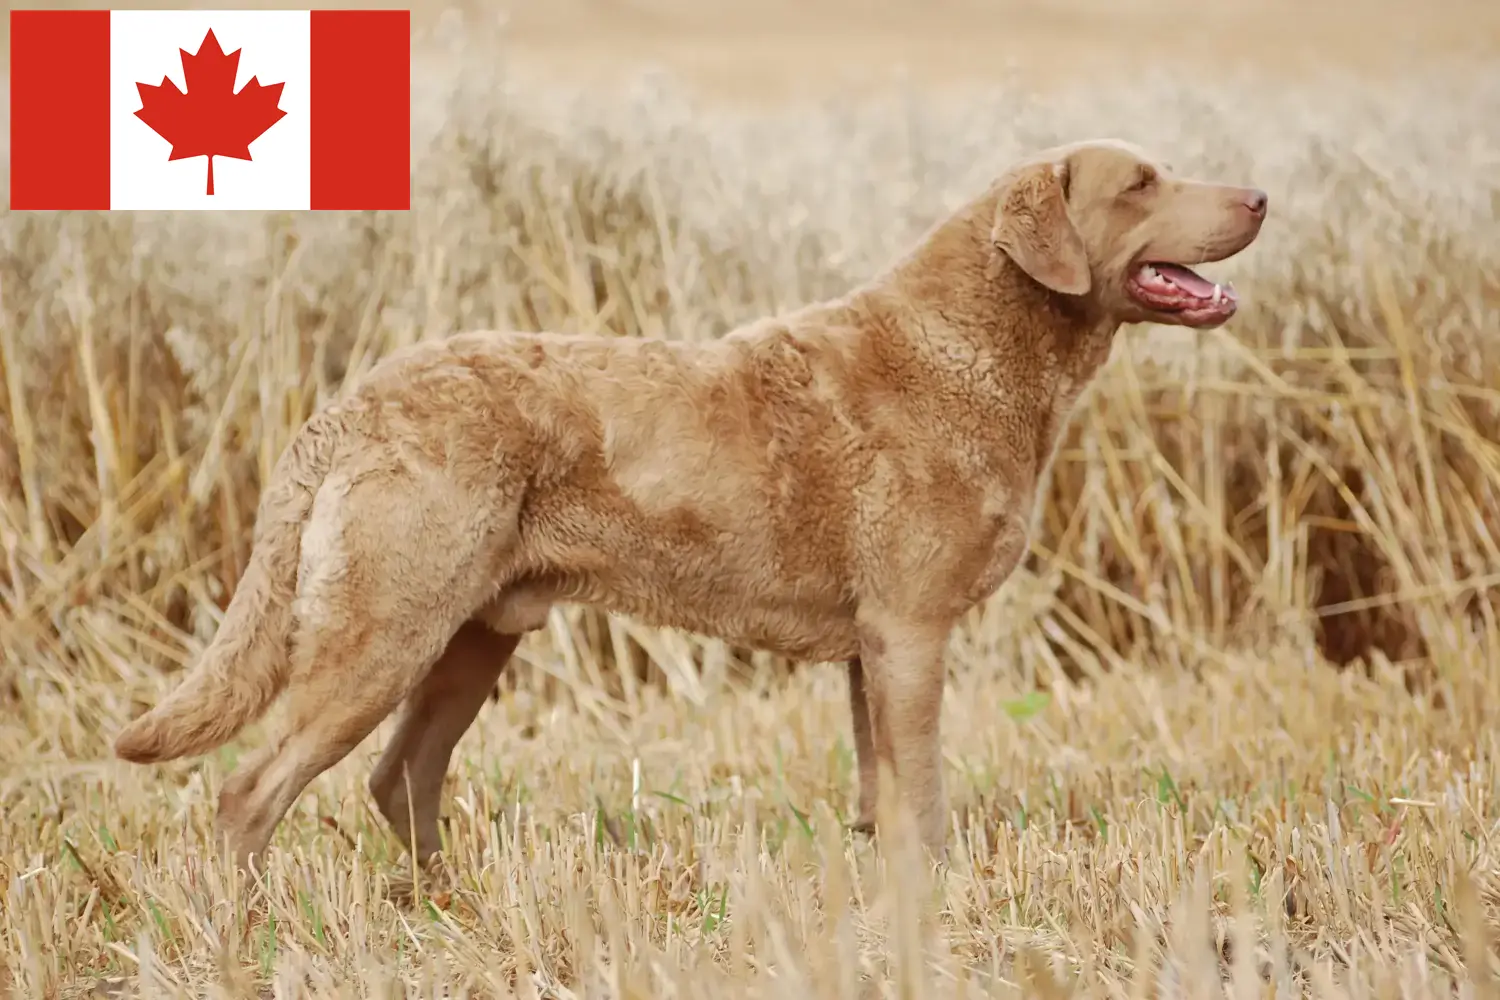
x=408 y=780
x=392 y=566
x=356 y=679
x=864 y=748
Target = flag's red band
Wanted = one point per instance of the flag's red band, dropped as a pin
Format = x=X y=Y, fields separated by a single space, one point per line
x=361 y=109
x=59 y=109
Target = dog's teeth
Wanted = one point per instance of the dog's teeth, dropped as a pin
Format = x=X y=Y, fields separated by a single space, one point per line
x=1218 y=293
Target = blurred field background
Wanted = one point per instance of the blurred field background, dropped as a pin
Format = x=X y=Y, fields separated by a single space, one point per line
x=1227 y=733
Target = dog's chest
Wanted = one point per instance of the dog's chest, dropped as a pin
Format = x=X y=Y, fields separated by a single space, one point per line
x=1009 y=515
x=1001 y=542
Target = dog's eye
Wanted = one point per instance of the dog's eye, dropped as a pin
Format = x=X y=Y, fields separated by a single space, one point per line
x=1145 y=180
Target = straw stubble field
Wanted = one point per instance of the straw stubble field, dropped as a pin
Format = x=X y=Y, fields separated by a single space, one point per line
x=1229 y=725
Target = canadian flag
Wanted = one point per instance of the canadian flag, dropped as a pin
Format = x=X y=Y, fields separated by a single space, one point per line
x=210 y=109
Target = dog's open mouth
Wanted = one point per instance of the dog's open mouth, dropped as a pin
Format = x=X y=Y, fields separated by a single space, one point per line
x=1189 y=298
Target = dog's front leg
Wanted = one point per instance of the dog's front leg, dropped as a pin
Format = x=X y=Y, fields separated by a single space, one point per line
x=901 y=663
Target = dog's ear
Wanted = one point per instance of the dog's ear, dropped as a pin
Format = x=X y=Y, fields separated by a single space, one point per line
x=1032 y=227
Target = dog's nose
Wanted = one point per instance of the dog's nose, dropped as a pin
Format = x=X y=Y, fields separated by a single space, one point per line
x=1255 y=201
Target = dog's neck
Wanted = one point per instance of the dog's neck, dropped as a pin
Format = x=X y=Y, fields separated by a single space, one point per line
x=969 y=308
x=962 y=322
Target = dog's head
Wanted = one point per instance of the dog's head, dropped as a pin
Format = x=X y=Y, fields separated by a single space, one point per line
x=1101 y=219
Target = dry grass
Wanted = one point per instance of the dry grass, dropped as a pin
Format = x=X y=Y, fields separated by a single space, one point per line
x=1162 y=777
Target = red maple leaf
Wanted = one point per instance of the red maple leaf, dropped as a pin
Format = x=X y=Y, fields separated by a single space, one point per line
x=210 y=119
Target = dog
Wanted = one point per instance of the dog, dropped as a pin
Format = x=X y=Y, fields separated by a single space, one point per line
x=840 y=483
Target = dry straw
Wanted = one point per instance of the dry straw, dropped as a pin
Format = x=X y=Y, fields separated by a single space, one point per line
x=1227 y=731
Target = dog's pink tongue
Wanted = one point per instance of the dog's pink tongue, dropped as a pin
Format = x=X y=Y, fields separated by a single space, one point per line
x=1186 y=280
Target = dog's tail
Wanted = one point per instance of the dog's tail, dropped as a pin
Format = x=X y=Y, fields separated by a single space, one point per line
x=246 y=665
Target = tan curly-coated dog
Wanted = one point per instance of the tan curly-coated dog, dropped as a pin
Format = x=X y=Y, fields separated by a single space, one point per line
x=841 y=483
